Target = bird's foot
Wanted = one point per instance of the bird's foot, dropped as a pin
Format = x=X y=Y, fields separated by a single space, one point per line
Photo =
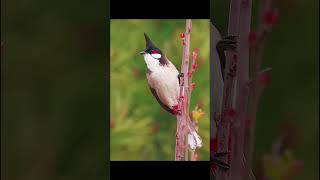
x=226 y=44
x=176 y=110
x=180 y=78
x=219 y=163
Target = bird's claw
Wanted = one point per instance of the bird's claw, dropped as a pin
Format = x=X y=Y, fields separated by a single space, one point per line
x=219 y=163
x=231 y=37
x=180 y=78
x=227 y=43
x=176 y=110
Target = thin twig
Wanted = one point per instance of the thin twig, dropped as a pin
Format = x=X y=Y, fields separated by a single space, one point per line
x=256 y=89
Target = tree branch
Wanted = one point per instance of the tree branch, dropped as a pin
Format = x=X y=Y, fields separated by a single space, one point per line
x=256 y=88
x=223 y=124
x=182 y=118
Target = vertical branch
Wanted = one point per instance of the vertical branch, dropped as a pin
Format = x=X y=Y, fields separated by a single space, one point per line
x=237 y=169
x=190 y=74
x=256 y=88
x=182 y=119
x=244 y=83
x=216 y=92
x=223 y=124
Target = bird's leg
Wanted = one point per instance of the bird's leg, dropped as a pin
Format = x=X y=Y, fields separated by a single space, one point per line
x=180 y=78
x=227 y=43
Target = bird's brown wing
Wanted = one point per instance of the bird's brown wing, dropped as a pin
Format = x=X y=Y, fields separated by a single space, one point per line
x=159 y=101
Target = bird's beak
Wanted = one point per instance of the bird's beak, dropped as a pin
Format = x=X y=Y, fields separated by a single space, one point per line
x=142 y=52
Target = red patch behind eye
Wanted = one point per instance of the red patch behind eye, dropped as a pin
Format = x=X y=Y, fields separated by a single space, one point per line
x=155 y=52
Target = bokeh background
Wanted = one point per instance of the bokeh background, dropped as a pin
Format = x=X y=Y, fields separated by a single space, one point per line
x=289 y=105
x=53 y=90
x=140 y=129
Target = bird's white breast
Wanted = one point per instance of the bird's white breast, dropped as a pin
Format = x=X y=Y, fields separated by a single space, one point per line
x=164 y=79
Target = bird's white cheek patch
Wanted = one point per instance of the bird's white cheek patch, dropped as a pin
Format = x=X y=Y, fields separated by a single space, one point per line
x=157 y=56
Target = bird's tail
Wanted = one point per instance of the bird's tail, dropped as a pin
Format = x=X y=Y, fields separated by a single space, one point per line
x=194 y=140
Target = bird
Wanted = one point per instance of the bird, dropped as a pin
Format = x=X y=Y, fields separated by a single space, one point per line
x=164 y=83
x=162 y=77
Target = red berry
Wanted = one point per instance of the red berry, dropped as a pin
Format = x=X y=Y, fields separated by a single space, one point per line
x=189 y=74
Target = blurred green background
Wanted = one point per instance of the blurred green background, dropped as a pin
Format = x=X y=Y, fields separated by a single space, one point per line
x=53 y=90
x=290 y=102
x=140 y=129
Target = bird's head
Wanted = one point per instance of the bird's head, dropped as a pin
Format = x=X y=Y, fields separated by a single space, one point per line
x=151 y=49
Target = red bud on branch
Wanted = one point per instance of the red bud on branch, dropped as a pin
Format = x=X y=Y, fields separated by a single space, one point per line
x=253 y=38
x=182 y=36
x=231 y=113
x=264 y=78
x=193 y=86
x=194 y=66
x=195 y=54
x=270 y=17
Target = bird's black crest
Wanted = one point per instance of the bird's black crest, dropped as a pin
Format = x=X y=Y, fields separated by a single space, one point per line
x=149 y=43
x=150 y=46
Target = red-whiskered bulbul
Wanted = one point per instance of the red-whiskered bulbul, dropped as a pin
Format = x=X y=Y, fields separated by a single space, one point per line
x=163 y=80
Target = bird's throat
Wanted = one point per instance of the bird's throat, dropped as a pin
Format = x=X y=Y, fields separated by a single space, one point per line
x=152 y=64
